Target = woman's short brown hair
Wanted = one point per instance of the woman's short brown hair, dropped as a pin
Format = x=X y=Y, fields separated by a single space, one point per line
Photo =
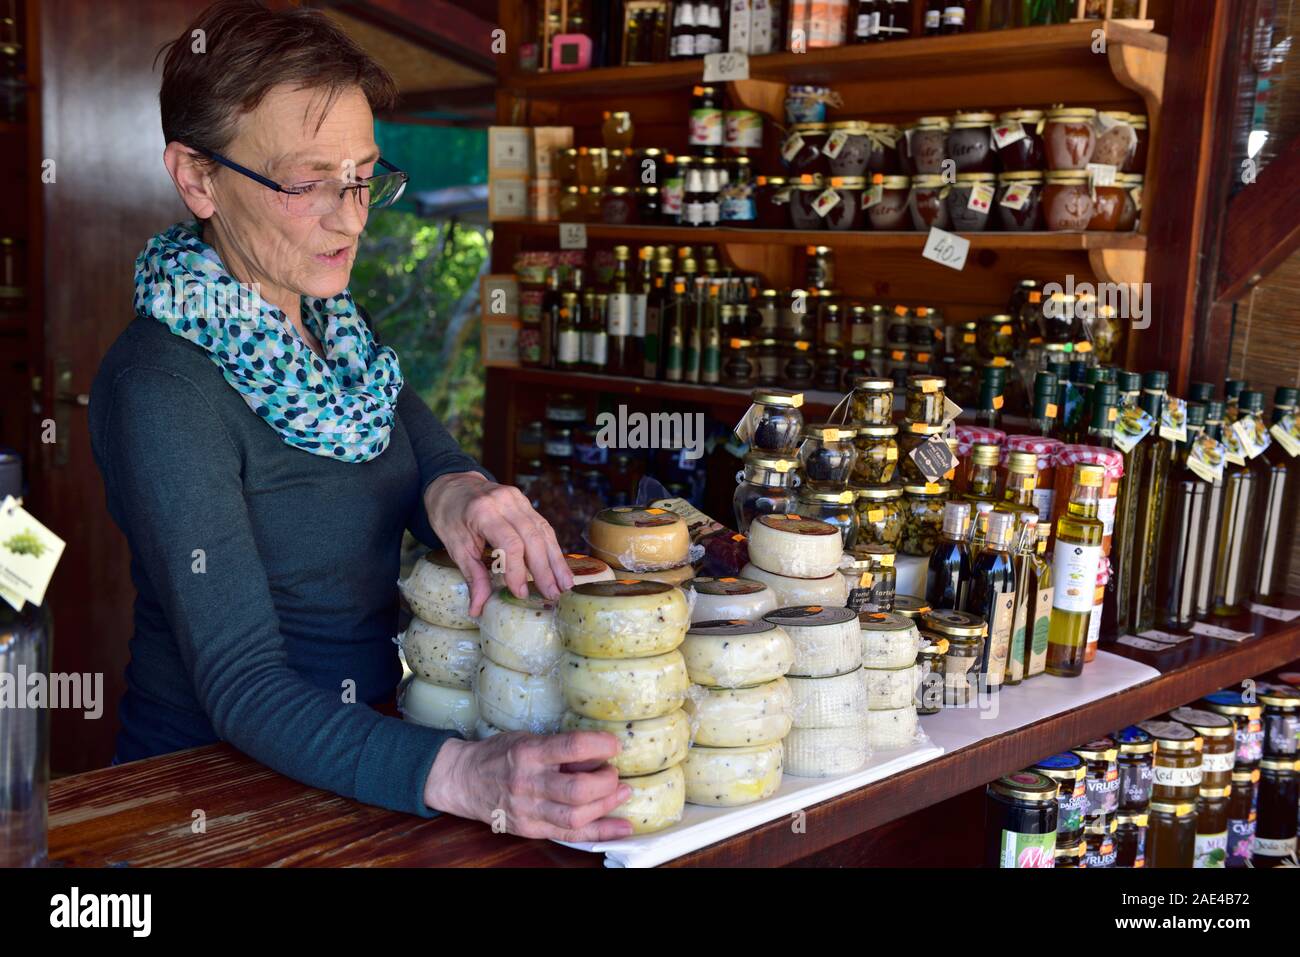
x=243 y=50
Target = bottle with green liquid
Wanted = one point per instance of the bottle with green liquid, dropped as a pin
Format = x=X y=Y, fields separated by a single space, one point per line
x=1232 y=584
x=1074 y=574
x=1133 y=444
x=1276 y=472
x=1203 y=582
x=1152 y=483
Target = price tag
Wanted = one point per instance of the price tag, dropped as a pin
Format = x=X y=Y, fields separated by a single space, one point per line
x=1165 y=637
x=1004 y=136
x=1016 y=196
x=1144 y=644
x=1223 y=634
x=1277 y=614
x=946 y=249
x=1101 y=174
x=826 y=201
x=981 y=197
x=573 y=235
x=725 y=67
x=934 y=458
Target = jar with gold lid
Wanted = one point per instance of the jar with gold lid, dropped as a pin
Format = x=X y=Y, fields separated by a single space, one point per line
x=921 y=147
x=777 y=423
x=1135 y=762
x=1171 y=834
x=925 y=399
x=922 y=517
x=1137 y=161
x=926 y=203
x=909 y=439
x=1176 y=772
x=802 y=150
x=1248 y=725
x=880 y=514
x=1020 y=195
x=1212 y=827
x=1102 y=781
x=847 y=148
x=827 y=455
x=877 y=458
x=593 y=166
x=1130 y=838
x=1218 y=749
x=1067 y=201
x=965 y=634
x=1281 y=720
x=765 y=486
x=868 y=571
x=970 y=201
x=1018 y=137
x=1099 y=836
x=882 y=156
x=872 y=401
x=969 y=143
x=886 y=201
x=832 y=506
x=996 y=337
x=1069 y=137
x=1068 y=771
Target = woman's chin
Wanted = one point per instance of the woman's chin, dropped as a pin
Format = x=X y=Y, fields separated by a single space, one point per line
x=324 y=283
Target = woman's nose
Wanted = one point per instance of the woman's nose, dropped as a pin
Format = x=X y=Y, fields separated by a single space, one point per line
x=350 y=217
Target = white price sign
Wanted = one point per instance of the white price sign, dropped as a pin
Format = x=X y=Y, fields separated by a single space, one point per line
x=725 y=67
x=573 y=235
x=1223 y=634
x=1145 y=644
x=945 y=248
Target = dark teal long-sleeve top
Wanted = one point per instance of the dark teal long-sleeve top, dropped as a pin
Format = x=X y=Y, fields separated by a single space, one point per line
x=265 y=575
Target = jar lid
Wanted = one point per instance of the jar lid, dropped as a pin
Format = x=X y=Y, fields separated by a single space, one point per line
x=1136 y=818
x=931 y=123
x=910 y=606
x=878 y=431
x=928 y=181
x=774 y=463
x=853 y=126
x=874 y=493
x=1129 y=180
x=778 y=397
x=1025 y=786
x=1066 y=177
x=1101 y=824
x=1022 y=463
x=890 y=182
x=883 y=127
x=967 y=120
x=1071 y=113
x=1078 y=850
x=1102 y=749
x=1229 y=702
x=648 y=190
x=927 y=489
x=849 y=182
x=1133 y=740
x=618 y=190
x=1021 y=176
x=809 y=127
x=926 y=383
x=872 y=383
x=875 y=554
x=771 y=181
x=706 y=585
x=885 y=621
x=984 y=453
x=1171 y=736
x=1271 y=763
x=1066 y=766
x=917 y=429
x=1246 y=776
x=1027 y=116
x=829 y=432
x=952 y=623
x=1222 y=792
x=1276 y=696
x=725 y=628
x=826 y=496
x=1177 y=810
x=1138 y=121
x=573 y=189
x=1206 y=723
x=811 y=181
x=976 y=177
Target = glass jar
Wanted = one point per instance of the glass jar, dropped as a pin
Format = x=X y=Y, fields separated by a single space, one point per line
x=1020 y=821
x=529 y=441
x=766 y=487
x=869 y=577
x=773 y=202
x=1018 y=137
x=1137 y=162
x=922 y=517
x=926 y=204
x=880 y=515
x=969 y=143
x=877 y=458
x=1171 y=834
x=1069 y=856
x=1281 y=721
x=996 y=337
x=908 y=441
x=802 y=149
x=1020 y=207
x=966 y=342
x=970 y=201
x=566 y=166
x=795 y=319
x=648 y=209
x=964 y=634
x=806 y=104
x=833 y=508
x=592 y=202
x=1131 y=209
x=796 y=365
x=847 y=148
x=1242 y=816
x=1107 y=207
x=1218 y=750
x=887 y=202
x=1131 y=839
x=618 y=206
x=925 y=399
x=846 y=213
x=883 y=149
x=736 y=203
x=768 y=312
x=1069 y=137
x=1176 y=772
x=592 y=166
x=1067 y=202
x=1068 y=771
x=1135 y=761
x=803 y=203
x=777 y=421
x=1100 y=839
x=739 y=367
x=1248 y=725
x=830 y=369
x=1211 y=827
x=768 y=357
x=1275 y=826
x=622 y=168
x=921 y=148
x=930 y=670
x=819 y=269
x=1101 y=758
x=571 y=205
x=827 y=455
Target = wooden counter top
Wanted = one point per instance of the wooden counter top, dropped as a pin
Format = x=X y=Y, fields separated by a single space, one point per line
x=141 y=814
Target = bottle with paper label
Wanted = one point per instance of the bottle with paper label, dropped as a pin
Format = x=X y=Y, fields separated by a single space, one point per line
x=1275 y=472
x=1131 y=437
x=1240 y=482
x=1074 y=574
x=1180 y=539
x=1153 y=481
x=1039 y=614
x=993 y=597
x=1207 y=455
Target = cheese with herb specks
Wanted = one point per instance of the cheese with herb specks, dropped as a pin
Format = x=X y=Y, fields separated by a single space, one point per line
x=729 y=777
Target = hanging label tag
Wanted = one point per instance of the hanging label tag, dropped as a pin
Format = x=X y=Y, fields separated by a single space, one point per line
x=573 y=235
x=946 y=249
x=1016 y=195
x=1101 y=174
x=1277 y=614
x=1136 y=193
x=790 y=149
x=834 y=143
x=826 y=201
x=748 y=422
x=1131 y=428
x=1223 y=634
x=1206 y=458
x=1004 y=136
x=725 y=67
x=1251 y=435
x=1173 y=419
x=1287 y=434
x=1232 y=447
x=934 y=458
x=872 y=195
x=981 y=197
x=29 y=553
x=950 y=410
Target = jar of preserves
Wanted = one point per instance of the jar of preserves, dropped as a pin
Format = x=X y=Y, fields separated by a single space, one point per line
x=880 y=514
x=1247 y=719
x=806 y=104
x=1131 y=209
x=739 y=366
x=827 y=455
x=1281 y=720
x=565 y=165
x=570 y=208
x=877 y=458
x=766 y=487
x=1069 y=137
x=1137 y=161
x=803 y=203
x=929 y=667
x=887 y=202
x=1218 y=749
x=1211 y=827
x=1100 y=840
x=842 y=203
x=965 y=634
x=1176 y=773
x=1101 y=759
x=1171 y=834
x=1107 y=206
x=970 y=201
x=883 y=149
x=969 y=143
x=1069 y=855
x=1131 y=838
x=796 y=365
x=834 y=507
x=869 y=575
x=777 y=421
x=847 y=148
x=908 y=441
x=618 y=206
x=996 y=337
x=922 y=517
x=1242 y=808
x=622 y=168
x=921 y=148
x=648 y=209
x=1018 y=137
x=1275 y=826
x=1068 y=771
x=1135 y=762
x=1116 y=139
x=768 y=357
x=802 y=149
x=1020 y=207
x=772 y=196
x=795 y=319
x=1067 y=201
x=592 y=203
x=1020 y=821
x=592 y=166
x=925 y=203
x=925 y=399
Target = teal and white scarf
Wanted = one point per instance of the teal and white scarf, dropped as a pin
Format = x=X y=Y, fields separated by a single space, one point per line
x=341 y=407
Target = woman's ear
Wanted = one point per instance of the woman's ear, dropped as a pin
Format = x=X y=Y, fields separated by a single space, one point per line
x=189 y=171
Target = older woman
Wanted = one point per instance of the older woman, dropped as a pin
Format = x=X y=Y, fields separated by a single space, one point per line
x=263 y=462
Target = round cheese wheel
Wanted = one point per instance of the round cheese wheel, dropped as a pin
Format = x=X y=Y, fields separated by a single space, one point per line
x=890 y=689
x=624 y=689
x=728 y=777
x=821 y=752
x=834 y=702
x=657 y=800
x=889 y=640
x=588 y=568
x=449 y=709
x=794 y=546
x=649 y=746
x=483 y=730
x=622 y=619
x=443 y=656
x=891 y=729
x=736 y=653
x=437 y=592
x=826 y=639
x=514 y=701
x=519 y=633
x=740 y=717
x=800 y=591
x=678 y=575
x=717 y=599
x=639 y=539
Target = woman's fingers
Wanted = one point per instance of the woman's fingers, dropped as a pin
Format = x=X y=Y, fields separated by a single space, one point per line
x=574 y=747
x=467 y=559
x=578 y=788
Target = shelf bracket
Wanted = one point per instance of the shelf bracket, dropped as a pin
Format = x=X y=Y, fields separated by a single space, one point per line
x=1127 y=266
x=763 y=96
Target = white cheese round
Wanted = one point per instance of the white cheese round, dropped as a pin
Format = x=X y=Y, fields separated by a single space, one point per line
x=657 y=801
x=740 y=717
x=514 y=701
x=649 y=746
x=826 y=639
x=728 y=777
x=448 y=709
x=587 y=568
x=889 y=689
x=678 y=575
x=622 y=619
x=891 y=729
x=800 y=591
x=794 y=546
x=834 y=702
x=624 y=689
x=717 y=599
x=736 y=653
x=483 y=730
x=443 y=656
x=639 y=539
x=889 y=640
x=437 y=592
x=519 y=633
x=821 y=752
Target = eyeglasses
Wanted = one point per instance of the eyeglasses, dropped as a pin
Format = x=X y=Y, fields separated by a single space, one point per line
x=321 y=197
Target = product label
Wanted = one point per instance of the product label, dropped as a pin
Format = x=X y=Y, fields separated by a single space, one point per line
x=1173 y=419
x=1206 y=458
x=835 y=143
x=29 y=553
x=1273 y=846
x=569 y=347
x=1028 y=850
x=1071 y=809
x=671 y=197
x=1135 y=784
x=1216 y=763
x=618 y=314
x=791 y=147
x=1211 y=850
x=1074 y=576
x=1241 y=841
x=1016 y=195
x=1004 y=612
x=1004 y=136
x=1102 y=855
x=1250 y=742
x=1103 y=791
x=1232 y=447
x=1132 y=427
x=1106 y=515
x=981 y=197
x=638 y=315
x=1177 y=777
x=1043 y=500
x=933 y=458
x=1016 y=657
x=595 y=349
x=1094 y=624
x=1286 y=431
x=1042 y=622
x=826 y=201
x=706 y=127
x=1252 y=435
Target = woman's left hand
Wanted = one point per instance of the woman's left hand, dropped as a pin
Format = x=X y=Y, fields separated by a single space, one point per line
x=468 y=512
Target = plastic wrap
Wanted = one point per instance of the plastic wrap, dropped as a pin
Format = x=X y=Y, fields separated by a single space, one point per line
x=437 y=592
x=827 y=640
x=624 y=689
x=441 y=656
x=622 y=619
x=795 y=547
x=730 y=777
x=648 y=746
x=740 y=717
x=889 y=640
x=514 y=701
x=715 y=599
x=657 y=801
x=483 y=730
x=822 y=752
x=640 y=539
x=890 y=689
x=447 y=709
x=896 y=728
x=520 y=633
x=836 y=702
x=800 y=591
x=736 y=653
x=677 y=575
x=588 y=568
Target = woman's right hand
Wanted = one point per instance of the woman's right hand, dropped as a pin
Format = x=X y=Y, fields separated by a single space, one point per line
x=557 y=787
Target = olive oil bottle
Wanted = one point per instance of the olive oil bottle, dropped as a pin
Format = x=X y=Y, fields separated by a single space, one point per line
x=1180 y=539
x=982 y=482
x=1203 y=588
x=658 y=300
x=948 y=576
x=1116 y=615
x=1039 y=615
x=1152 y=482
x=1074 y=574
x=1231 y=580
x=993 y=598
x=1276 y=511
x=1043 y=420
x=1023 y=542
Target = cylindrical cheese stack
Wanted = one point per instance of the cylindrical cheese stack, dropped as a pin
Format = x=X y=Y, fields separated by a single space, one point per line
x=890 y=643
x=828 y=590
x=648 y=544
x=830 y=725
x=720 y=599
x=621 y=673
x=518 y=687
x=740 y=711
x=795 y=547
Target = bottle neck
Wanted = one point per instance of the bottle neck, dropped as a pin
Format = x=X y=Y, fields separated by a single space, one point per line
x=1084 y=500
x=1020 y=488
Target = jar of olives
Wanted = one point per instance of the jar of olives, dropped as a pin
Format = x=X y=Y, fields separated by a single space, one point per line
x=872 y=402
x=922 y=517
x=964 y=634
x=929 y=667
x=995 y=337
x=877 y=458
x=827 y=454
x=925 y=399
x=765 y=487
x=880 y=514
x=775 y=420
x=834 y=507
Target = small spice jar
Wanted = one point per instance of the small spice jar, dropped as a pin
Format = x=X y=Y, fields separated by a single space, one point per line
x=1020 y=821
x=872 y=401
x=880 y=515
x=827 y=454
x=964 y=633
x=921 y=148
x=1068 y=856
x=803 y=203
x=1171 y=834
x=846 y=212
x=929 y=667
x=1211 y=827
x=908 y=440
x=882 y=139
x=801 y=150
x=1281 y=720
x=877 y=458
x=969 y=143
x=922 y=517
x=886 y=202
x=1099 y=835
x=834 y=507
x=1275 y=826
x=873 y=579
x=925 y=399
x=1242 y=816
x=1131 y=839
x=1069 y=137
x=1101 y=758
x=1176 y=772
x=995 y=337
x=1135 y=762
x=777 y=421
x=1218 y=749
x=1068 y=771
x=773 y=202
x=970 y=201
x=1018 y=137
x=765 y=487
x=925 y=203
x=847 y=148
x=1249 y=728
x=1067 y=201
x=1020 y=207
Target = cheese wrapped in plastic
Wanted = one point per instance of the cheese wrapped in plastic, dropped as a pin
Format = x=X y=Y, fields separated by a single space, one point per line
x=624 y=689
x=622 y=619
x=520 y=633
x=441 y=656
x=514 y=701
x=733 y=654
x=730 y=777
x=448 y=709
x=740 y=717
x=826 y=639
x=437 y=592
x=648 y=746
x=657 y=800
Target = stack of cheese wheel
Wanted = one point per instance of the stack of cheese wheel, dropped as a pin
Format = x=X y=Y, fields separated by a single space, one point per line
x=829 y=734
x=441 y=647
x=622 y=673
x=648 y=544
x=740 y=712
x=721 y=599
x=798 y=558
x=518 y=684
x=890 y=643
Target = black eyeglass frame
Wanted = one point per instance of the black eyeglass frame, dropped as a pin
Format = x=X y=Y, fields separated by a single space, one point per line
x=297 y=190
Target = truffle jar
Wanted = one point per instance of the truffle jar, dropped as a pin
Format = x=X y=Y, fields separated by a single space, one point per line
x=827 y=455
x=766 y=486
x=777 y=423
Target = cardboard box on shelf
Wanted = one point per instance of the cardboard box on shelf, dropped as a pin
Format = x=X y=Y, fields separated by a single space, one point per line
x=546 y=141
x=508 y=198
x=499 y=347
x=510 y=151
x=544 y=200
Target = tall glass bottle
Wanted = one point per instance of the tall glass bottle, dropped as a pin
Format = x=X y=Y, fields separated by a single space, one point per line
x=552 y=302
x=675 y=319
x=1180 y=540
x=642 y=289
x=982 y=483
x=568 y=333
x=979 y=527
x=1043 y=420
x=1203 y=589
x=1024 y=540
x=1275 y=514
x=948 y=577
x=1152 y=481
x=1232 y=583
x=993 y=597
x=1116 y=611
x=618 y=316
x=656 y=318
x=696 y=292
x=1039 y=589
x=711 y=335
x=988 y=412
x=1074 y=574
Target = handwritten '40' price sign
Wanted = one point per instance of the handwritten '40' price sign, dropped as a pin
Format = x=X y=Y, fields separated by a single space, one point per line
x=947 y=249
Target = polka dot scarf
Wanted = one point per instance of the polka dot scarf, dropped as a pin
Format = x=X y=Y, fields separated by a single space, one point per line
x=341 y=407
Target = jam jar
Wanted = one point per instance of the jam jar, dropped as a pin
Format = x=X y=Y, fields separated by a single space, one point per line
x=1281 y=721
x=967 y=211
x=922 y=517
x=802 y=149
x=765 y=487
x=1249 y=732
x=846 y=214
x=1069 y=856
x=929 y=667
x=827 y=455
x=806 y=104
x=926 y=203
x=1135 y=761
x=961 y=661
x=1242 y=816
x=1101 y=758
x=883 y=149
x=880 y=514
x=618 y=206
x=872 y=401
x=1018 y=137
x=803 y=203
x=886 y=202
x=1219 y=750
x=1099 y=836
x=1020 y=821
x=1137 y=162
x=1067 y=770
x=1275 y=826
x=833 y=508
x=777 y=421
x=1107 y=207
x=1069 y=137
x=877 y=458
x=1176 y=772
x=1131 y=838
x=1212 y=827
x=1171 y=834
x=970 y=143
x=847 y=148
x=773 y=202
x=1130 y=211
x=908 y=441
x=1067 y=201
x=925 y=399
x=1116 y=139
x=1020 y=197
x=921 y=148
